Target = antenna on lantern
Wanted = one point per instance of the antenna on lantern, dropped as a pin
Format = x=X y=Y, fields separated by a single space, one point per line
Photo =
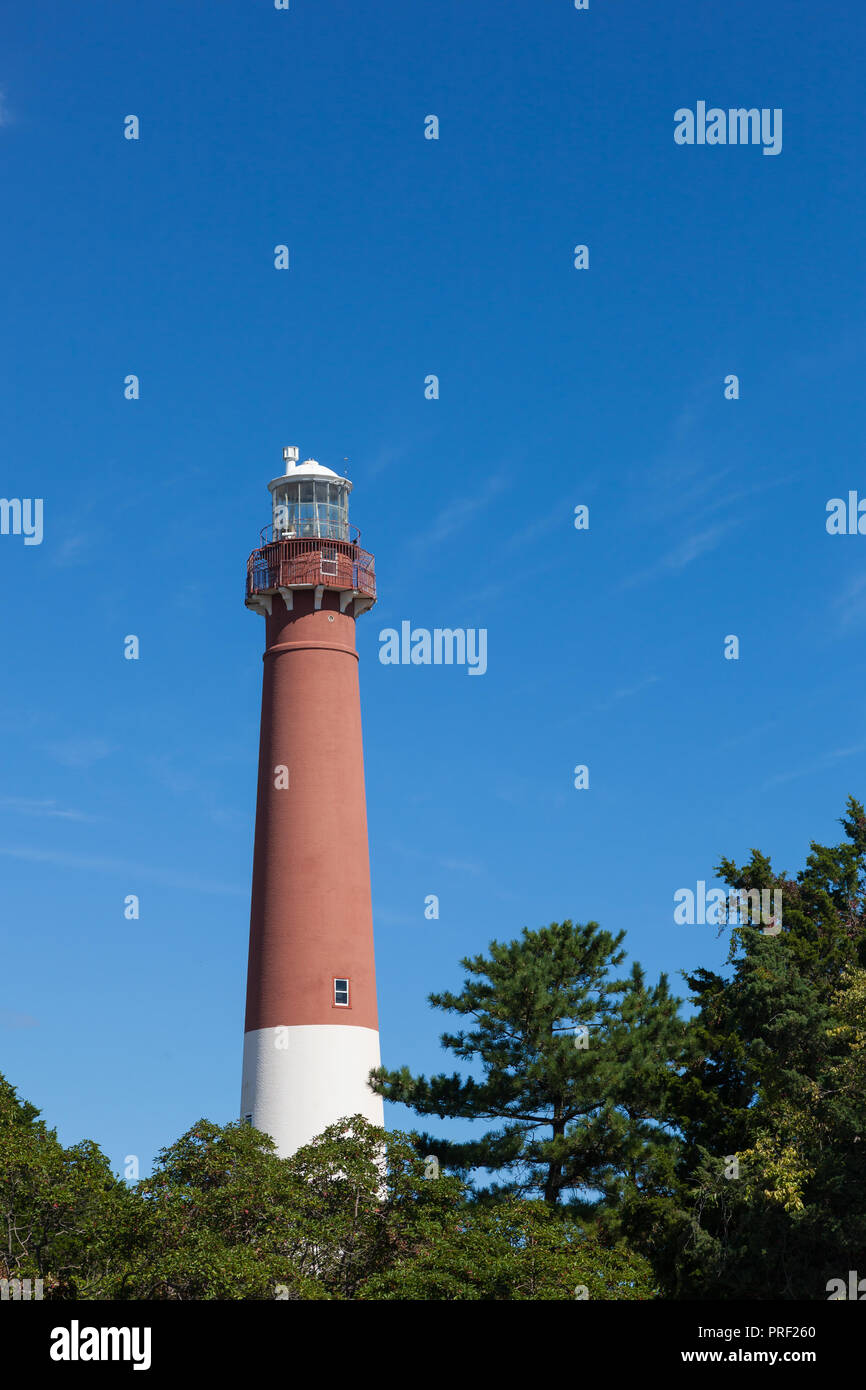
x=290 y=457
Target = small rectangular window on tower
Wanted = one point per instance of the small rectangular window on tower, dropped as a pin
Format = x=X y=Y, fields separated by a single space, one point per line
x=341 y=993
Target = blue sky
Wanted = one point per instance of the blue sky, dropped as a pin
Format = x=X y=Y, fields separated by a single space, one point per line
x=557 y=387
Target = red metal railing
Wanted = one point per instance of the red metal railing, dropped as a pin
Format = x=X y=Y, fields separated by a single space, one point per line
x=311 y=561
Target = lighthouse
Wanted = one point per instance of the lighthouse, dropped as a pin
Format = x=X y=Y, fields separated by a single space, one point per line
x=312 y=1033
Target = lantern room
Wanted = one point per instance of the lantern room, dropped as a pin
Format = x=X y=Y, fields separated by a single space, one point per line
x=309 y=501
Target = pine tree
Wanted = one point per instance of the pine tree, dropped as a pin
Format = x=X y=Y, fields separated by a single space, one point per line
x=772 y=1102
x=575 y=1069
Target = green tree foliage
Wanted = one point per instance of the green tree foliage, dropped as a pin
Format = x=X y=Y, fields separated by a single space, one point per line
x=577 y=1110
x=58 y=1207
x=350 y=1216
x=514 y=1250
x=776 y=1079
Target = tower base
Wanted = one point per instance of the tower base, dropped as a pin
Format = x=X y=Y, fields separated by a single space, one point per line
x=318 y=1073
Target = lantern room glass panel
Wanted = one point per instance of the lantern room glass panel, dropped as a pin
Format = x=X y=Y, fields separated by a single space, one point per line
x=312 y=508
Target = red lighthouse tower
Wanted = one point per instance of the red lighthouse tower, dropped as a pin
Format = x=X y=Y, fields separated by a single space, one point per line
x=312 y=1031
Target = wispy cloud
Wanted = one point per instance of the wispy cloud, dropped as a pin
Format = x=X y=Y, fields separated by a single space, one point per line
x=489 y=593
x=556 y=519
x=627 y=691
x=384 y=917
x=820 y=765
x=690 y=548
x=683 y=488
x=26 y=806
x=79 y=752
x=850 y=605
x=145 y=873
x=460 y=513
x=9 y=1018
x=180 y=781
x=452 y=863
x=73 y=550
x=386 y=456
x=738 y=739
x=462 y=866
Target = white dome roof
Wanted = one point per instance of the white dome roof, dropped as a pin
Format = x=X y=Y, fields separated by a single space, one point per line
x=310 y=468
